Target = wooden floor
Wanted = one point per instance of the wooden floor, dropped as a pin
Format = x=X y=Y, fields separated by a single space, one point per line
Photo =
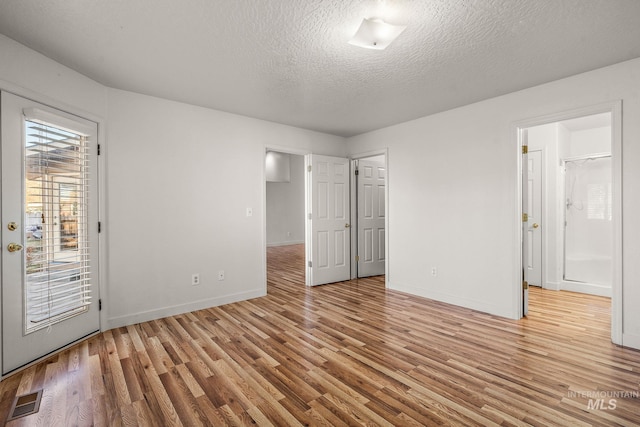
x=350 y=353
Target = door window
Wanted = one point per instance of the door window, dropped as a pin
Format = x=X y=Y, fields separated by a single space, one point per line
x=57 y=249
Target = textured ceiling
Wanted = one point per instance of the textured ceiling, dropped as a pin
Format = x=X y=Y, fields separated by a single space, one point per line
x=288 y=61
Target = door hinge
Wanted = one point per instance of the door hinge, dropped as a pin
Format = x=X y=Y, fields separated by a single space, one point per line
x=100 y=305
x=525 y=217
x=308 y=168
x=98 y=149
x=357 y=258
x=357 y=172
x=525 y=285
x=99 y=227
x=309 y=216
x=310 y=264
x=525 y=149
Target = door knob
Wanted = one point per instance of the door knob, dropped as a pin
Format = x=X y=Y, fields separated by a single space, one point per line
x=347 y=225
x=14 y=247
x=535 y=225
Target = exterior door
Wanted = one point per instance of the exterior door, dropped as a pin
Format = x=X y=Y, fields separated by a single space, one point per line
x=328 y=228
x=371 y=215
x=534 y=211
x=49 y=230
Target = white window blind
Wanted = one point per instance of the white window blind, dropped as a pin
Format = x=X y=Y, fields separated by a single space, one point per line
x=56 y=220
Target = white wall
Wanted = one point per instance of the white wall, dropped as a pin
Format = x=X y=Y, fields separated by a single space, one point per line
x=452 y=194
x=589 y=141
x=285 y=207
x=33 y=75
x=180 y=179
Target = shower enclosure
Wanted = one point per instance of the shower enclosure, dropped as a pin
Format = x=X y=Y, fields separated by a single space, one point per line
x=588 y=232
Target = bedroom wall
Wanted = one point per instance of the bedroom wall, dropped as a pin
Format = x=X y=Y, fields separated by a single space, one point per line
x=179 y=181
x=452 y=195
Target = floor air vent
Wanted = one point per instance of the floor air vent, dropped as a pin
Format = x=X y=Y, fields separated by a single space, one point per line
x=24 y=405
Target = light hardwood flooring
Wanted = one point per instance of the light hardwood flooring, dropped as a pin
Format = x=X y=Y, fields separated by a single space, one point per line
x=350 y=353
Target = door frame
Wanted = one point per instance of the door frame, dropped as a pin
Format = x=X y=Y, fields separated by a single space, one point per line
x=615 y=108
x=354 y=218
x=101 y=258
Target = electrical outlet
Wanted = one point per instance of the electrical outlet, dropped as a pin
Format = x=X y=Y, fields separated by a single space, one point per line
x=249 y=212
x=221 y=275
x=434 y=271
x=195 y=279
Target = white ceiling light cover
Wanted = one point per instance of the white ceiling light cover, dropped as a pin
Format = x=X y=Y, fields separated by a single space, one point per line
x=376 y=34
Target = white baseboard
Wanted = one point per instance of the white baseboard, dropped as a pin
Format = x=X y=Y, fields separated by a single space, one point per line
x=290 y=242
x=552 y=286
x=631 y=340
x=145 y=316
x=586 y=288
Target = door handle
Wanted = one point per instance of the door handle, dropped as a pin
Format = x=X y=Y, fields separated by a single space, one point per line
x=347 y=225
x=14 y=247
x=535 y=225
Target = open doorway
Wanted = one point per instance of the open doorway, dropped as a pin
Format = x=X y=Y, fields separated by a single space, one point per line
x=289 y=193
x=285 y=212
x=570 y=201
x=569 y=210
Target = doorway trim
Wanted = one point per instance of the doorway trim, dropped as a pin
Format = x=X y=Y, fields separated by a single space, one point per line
x=354 y=219
x=615 y=108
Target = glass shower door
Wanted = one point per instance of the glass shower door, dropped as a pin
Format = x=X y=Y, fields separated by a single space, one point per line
x=588 y=228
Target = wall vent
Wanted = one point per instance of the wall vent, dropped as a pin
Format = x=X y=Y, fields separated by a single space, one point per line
x=24 y=405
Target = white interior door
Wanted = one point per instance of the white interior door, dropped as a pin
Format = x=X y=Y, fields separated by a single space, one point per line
x=534 y=211
x=328 y=228
x=49 y=230
x=371 y=215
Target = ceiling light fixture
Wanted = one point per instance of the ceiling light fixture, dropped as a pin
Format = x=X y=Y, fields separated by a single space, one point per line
x=376 y=34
